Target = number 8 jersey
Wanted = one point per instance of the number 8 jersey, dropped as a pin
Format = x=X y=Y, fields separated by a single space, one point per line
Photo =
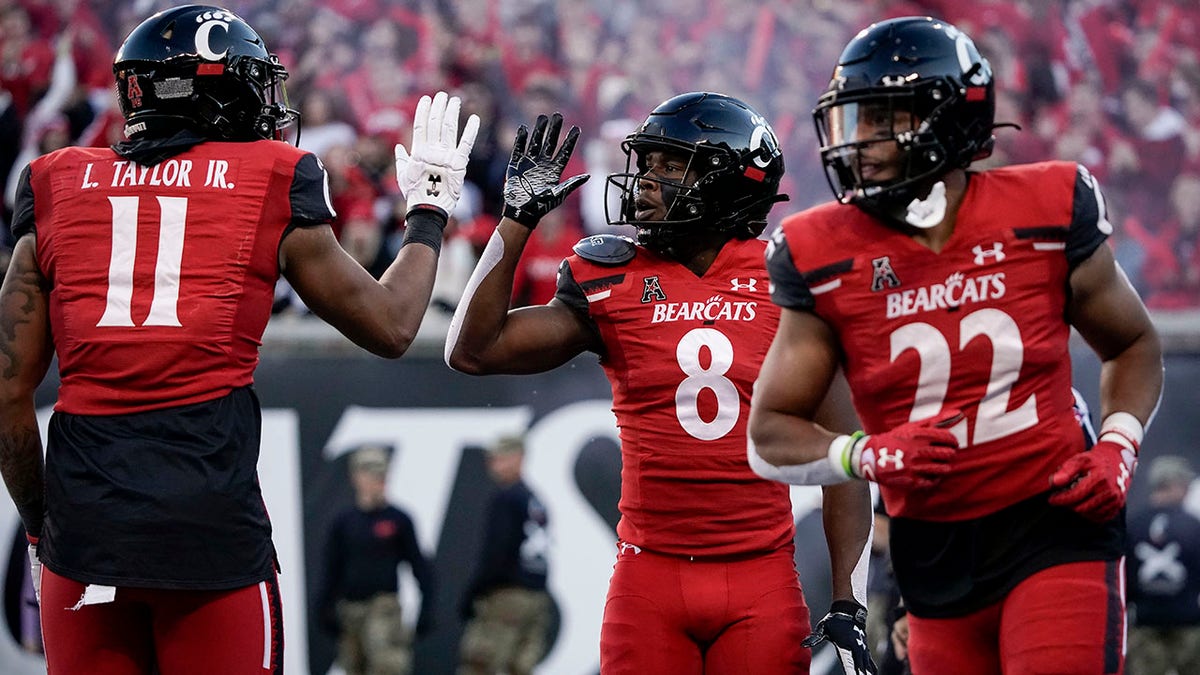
x=163 y=276
x=682 y=353
x=979 y=326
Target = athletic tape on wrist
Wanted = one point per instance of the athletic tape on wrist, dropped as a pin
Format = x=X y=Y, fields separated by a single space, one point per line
x=492 y=254
x=841 y=452
x=816 y=472
x=1124 y=429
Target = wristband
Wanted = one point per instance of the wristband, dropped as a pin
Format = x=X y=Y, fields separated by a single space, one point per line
x=1123 y=429
x=424 y=226
x=841 y=452
x=849 y=608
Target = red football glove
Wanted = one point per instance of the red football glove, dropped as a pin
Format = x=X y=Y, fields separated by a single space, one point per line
x=916 y=454
x=1095 y=483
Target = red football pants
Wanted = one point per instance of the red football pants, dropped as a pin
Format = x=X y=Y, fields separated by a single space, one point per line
x=1067 y=620
x=169 y=632
x=667 y=614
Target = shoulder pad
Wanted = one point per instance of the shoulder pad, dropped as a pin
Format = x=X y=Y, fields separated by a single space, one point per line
x=606 y=249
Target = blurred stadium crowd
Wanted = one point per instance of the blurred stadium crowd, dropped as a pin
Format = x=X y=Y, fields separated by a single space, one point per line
x=1113 y=84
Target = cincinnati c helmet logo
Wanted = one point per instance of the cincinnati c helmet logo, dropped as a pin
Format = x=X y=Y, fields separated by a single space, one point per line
x=208 y=21
x=763 y=137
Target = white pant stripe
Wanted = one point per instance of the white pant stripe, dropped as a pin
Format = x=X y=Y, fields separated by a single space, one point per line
x=266 y=614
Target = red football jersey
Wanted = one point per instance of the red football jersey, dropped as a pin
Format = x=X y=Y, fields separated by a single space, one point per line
x=978 y=327
x=682 y=354
x=162 y=277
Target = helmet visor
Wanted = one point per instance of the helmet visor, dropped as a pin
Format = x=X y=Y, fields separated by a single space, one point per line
x=866 y=143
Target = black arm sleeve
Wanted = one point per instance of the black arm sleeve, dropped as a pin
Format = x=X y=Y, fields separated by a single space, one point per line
x=1089 y=219
x=571 y=294
x=310 y=193
x=789 y=288
x=22 y=222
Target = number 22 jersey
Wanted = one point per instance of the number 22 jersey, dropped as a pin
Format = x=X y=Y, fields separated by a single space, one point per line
x=979 y=326
x=682 y=353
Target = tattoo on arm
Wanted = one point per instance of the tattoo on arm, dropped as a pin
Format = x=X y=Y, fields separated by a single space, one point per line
x=25 y=354
x=21 y=298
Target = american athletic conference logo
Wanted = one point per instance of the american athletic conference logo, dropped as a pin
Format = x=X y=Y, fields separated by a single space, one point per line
x=882 y=274
x=652 y=290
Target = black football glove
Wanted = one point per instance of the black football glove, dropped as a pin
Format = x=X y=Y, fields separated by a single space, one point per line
x=845 y=626
x=531 y=184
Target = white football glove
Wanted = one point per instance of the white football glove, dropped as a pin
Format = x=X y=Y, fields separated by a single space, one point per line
x=432 y=175
x=35 y=571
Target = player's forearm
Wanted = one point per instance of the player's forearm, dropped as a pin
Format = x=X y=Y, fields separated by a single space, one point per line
x=480 y=316
x=783 y=439
x=794 y=451
x=21 y=466
x=25 y=356
x=409 y=280
x=1132 y=382
x=848 y=520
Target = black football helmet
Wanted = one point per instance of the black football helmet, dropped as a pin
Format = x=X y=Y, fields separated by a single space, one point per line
x=733 y=158
x=201 y=68
x=919 y=65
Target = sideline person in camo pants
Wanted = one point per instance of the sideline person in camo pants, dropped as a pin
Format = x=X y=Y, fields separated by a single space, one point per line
x=507 y=606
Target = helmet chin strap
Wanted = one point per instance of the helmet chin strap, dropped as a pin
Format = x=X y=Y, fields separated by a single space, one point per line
x=928 y=212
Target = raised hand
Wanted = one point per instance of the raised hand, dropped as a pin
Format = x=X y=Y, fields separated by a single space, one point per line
x=531 y=185
x=431 y=176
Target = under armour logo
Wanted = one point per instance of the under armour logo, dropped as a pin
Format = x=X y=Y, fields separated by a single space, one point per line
x=895 y=457
x=982 y=254
x=433 y=189
x=625 y=548
x=736 y=284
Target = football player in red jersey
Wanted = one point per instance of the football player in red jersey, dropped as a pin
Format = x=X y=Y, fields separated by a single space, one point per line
x=149 y=269
x=947 y=297
x=705 y=580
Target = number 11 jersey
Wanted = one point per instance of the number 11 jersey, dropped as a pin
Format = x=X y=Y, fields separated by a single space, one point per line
x=163 y=276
